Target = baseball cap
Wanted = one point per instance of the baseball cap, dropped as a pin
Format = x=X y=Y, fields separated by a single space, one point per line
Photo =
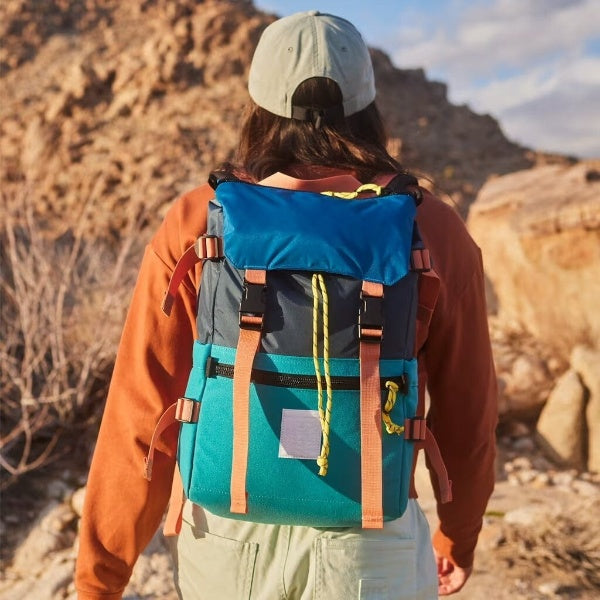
x=305 y=45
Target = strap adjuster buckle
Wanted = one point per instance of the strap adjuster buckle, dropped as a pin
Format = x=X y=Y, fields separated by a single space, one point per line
x=415 y=429
x=209 y=247
x=252 y=305
x=187 y=410
x=370 y=318
x=420 y=260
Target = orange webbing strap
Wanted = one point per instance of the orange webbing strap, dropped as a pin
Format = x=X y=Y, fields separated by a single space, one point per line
x=429 y=289
x=173 y=519
x=184 y=410
x=166 y=420
x=370 y=334
x=437 y=462
x=206 y=247
x=249 y=340
x=416 y=430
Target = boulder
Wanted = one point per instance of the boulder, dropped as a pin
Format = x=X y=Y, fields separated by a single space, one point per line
x=539 y=231
x=587 y=364
x=561 y=426
x=526 y=372
x=77 y=500
x=52 y=532
x=524 y=384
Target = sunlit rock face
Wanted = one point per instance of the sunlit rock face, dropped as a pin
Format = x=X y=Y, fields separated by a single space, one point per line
x=539 y=231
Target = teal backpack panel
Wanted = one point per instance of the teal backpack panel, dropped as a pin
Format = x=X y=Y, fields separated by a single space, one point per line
x=289 y=490
x=194 y=391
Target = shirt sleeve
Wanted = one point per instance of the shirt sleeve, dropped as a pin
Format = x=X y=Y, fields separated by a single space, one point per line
x=122 y=510
x=463 y=412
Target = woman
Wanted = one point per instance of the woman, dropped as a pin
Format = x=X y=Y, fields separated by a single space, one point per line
x=312 y=125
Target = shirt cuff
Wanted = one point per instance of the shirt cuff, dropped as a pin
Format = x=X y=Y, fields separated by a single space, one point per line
x=451 y=550
x=99 y=595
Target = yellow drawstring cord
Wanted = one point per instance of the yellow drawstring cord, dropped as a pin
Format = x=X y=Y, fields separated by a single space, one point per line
x=390 y=426
x=367 y=187
x=319 y=289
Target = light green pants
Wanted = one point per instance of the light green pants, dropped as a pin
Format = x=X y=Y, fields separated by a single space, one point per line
x=225 y=559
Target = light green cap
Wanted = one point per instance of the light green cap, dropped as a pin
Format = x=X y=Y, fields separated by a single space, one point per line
x=305 y=45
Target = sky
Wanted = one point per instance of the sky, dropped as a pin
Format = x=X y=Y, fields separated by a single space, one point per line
x=532 y=64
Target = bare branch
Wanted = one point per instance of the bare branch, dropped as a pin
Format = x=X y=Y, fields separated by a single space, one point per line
x=55 y=360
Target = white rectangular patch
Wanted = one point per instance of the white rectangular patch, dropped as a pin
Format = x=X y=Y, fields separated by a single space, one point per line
x=300 y=434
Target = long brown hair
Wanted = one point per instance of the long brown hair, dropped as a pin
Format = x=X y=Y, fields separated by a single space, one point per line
x=270 y=143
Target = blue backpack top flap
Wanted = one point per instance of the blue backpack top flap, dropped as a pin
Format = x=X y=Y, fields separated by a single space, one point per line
x=278 y=229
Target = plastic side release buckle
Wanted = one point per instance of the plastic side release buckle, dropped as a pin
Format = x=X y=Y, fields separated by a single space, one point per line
x=370 y=318
x=252 y=305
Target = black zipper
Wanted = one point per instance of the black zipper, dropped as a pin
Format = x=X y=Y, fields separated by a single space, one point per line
x=214 y=368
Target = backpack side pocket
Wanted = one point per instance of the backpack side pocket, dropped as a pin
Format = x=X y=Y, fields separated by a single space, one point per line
x=188 y=432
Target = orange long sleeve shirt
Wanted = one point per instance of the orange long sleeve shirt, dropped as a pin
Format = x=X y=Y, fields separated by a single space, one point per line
x=122 y=510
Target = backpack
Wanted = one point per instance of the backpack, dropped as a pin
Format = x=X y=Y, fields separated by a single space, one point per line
x=302 y=405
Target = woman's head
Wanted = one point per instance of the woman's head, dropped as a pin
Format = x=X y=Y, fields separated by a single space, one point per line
x=313 y=91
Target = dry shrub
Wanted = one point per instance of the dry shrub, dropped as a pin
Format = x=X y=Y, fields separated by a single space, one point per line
x=62 y=305
x=564 y=549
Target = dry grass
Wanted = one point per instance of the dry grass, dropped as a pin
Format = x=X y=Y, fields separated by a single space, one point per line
x=565 y=549
x=62 y=304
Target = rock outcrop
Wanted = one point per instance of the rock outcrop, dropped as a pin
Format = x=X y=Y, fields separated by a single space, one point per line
x=526 y=369
x=539 y=231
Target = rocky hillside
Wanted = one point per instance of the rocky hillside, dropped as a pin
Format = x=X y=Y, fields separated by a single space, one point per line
x=121 y=103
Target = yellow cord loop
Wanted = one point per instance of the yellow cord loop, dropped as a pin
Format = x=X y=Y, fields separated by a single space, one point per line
x=367 y=187
x=319 y=290
x=390 y=426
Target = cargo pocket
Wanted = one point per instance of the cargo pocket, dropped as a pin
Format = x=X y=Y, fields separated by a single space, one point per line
x=212 y=567
x=365 y=569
